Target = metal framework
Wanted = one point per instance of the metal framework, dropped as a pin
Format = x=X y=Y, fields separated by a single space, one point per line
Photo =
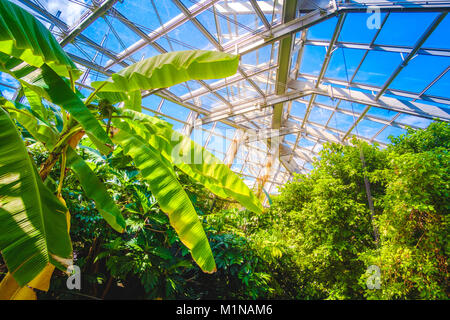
x=303 y=79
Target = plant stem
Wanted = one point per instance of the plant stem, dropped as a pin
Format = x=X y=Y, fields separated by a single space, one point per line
x=47 y=166
x=108 y=286
x=63 y=170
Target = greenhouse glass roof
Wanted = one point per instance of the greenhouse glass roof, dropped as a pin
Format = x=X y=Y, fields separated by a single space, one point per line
x=311 y=71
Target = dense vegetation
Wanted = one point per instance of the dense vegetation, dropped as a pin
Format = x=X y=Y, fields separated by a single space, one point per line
x=316 y=241
x=95 y=182
x=324 y=220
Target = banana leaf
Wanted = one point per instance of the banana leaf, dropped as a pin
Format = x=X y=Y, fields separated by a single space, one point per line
x=33 y=220
x=96 y=191
x=170 y=195
x=169 y=69
x=193 y=159
x=40 y=131
x=46 y=83
x=26 y=38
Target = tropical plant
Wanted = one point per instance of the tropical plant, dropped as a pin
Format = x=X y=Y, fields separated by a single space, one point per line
x=34 y=221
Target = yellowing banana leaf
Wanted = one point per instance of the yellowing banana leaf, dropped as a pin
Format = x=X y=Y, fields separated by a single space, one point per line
x=169 y=69
x=33 y=219
x=10 y=289
x=96 y=191
x=26 y=38
x=193 y=160
x=170 y=195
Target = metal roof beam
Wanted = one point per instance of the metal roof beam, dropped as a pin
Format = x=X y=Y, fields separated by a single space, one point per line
x=399 y=68
x=231 y=8
x=260 y=13
x=284 y=62
x=64 y=27
x=220 y=84
x=390 y=6
x=384 y=102
x=400 y=93
x=87 y=21
x=380 y=47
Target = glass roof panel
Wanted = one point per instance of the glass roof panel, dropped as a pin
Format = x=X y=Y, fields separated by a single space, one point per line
x=367 y=128
x=298 y=109
x=322 y=31
x=377 y=67
x=358 y=21
x=319 y=115
x=381 y=113
x=175 y=110
x=140 y=12
x=419 y=72
x=341 y=121
x=343 y=63
x=389 y=131
x=185 y=37
x=412 y=120
x=69 y=11
x=404 y=29
x=441 y=87
x=313 y=57
x=439 y=38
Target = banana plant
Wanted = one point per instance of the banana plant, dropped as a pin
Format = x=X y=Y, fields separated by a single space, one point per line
x=34 y=221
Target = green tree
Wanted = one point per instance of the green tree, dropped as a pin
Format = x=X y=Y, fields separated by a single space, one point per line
x=414 y=221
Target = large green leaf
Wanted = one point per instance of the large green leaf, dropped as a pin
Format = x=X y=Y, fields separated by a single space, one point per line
x=35 y=102
x=96 y=191
x=171 y=197
x=33 y=225
x=193 y=160
x=113 y=97
x=45 y=82
x=134 y=101
x=24 y=37
x=169 y=69
x=42 y=132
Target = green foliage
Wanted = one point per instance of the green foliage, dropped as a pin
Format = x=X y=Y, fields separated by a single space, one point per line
x=325 y=216
x=316 y=242
x=168 y=69
x=414 y=222
x=24 y=37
